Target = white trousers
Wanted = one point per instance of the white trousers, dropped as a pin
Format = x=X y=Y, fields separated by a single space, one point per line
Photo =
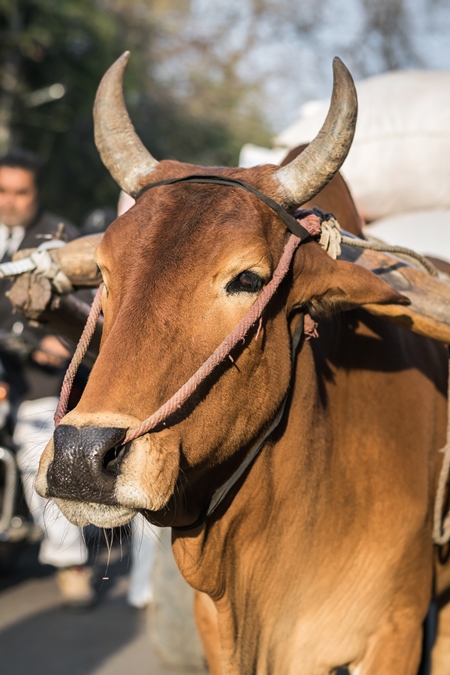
x=63 y=544
x=143 y=542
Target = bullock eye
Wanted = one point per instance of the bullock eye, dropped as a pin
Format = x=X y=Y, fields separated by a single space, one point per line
x=245 y=282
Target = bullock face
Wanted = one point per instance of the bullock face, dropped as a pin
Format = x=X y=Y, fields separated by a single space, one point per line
x=180 y=270
x=200 y=255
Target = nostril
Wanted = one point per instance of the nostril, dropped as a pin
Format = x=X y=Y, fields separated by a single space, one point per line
x=113 y=458
x=86 y=463
x=92 y=450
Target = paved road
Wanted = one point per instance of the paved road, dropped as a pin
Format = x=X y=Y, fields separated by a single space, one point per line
x=38 y=637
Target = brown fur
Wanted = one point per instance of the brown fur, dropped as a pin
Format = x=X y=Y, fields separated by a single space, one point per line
x=322 y=555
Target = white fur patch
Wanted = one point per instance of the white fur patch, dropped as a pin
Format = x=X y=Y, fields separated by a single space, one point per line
x=82 y=514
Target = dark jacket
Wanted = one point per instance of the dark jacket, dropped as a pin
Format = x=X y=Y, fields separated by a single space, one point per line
x=26 y=378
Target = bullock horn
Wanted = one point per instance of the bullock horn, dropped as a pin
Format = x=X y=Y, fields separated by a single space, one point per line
x=308 y=173
x=120 y=148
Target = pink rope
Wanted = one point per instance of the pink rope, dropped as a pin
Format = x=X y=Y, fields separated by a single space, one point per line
x=311 y=222
x=78 y=356
x=177 y=400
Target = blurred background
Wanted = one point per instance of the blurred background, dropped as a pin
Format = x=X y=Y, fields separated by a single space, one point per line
x=206 y=76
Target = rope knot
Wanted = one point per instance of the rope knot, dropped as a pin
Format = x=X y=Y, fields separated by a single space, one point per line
x=323 y=227
x=331 y=237
x=41 y=263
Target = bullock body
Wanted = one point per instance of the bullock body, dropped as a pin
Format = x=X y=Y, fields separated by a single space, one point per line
x=321 y=555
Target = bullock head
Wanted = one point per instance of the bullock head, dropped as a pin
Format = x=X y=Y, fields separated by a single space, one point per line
x=180 y=270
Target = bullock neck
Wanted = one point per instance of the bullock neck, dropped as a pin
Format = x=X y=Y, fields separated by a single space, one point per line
x=288 y=476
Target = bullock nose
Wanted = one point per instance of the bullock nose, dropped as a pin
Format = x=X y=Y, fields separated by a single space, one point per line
x=86 y=463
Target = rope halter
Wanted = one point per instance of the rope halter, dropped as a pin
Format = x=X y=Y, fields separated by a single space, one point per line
x=309 y=226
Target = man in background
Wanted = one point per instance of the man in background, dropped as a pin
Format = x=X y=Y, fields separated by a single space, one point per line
x=35 y=372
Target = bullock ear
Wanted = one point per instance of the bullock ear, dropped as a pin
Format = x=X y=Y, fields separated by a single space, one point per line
x=338 y=285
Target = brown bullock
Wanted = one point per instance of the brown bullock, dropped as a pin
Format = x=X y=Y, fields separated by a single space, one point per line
x=320 y=556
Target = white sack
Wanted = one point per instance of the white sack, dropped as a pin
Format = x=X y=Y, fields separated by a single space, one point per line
x=400 y=158
x=255 y=155
x=427 y=232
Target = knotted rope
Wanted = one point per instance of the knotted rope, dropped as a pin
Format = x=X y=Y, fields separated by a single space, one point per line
x=331 y=237
x=80 y=352
x=40 y=262
x=375 y=245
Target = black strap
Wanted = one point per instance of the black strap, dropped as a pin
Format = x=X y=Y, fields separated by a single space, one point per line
x=223 y=491
x=290 y=222
x=302 y=233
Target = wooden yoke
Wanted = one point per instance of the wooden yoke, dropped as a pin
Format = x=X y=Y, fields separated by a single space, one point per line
x=428 y=314
x=75 y=259
x=429 y=311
